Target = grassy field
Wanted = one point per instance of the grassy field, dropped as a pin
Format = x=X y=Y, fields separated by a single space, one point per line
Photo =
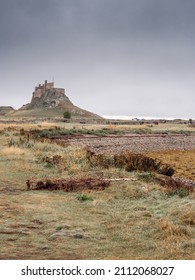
x=133 y=219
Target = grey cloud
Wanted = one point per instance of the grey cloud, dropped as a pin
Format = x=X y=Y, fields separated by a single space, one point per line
x=126 y=53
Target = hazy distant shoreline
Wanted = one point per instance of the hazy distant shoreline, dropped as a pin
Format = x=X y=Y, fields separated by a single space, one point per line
x=122 y=117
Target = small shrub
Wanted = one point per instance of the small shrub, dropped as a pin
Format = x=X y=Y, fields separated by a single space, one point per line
x=49 y=165
x=23 y=142
x=166 y=169
x=181 y=192
x=54 y=160
x=138 y=162
x=99 y=159
x=59 y=228
x=84 y=197
x=12 y=142
x=45 y=133
x=67 y=115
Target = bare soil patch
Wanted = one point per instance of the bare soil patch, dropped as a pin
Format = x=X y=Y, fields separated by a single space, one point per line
x=69 y=185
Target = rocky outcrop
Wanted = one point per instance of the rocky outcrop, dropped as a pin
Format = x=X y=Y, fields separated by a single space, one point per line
x=51 y=98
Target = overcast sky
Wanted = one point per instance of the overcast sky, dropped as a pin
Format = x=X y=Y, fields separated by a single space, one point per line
x=113 y=57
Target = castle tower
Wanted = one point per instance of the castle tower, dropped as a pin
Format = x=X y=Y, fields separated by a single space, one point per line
x=45 y=86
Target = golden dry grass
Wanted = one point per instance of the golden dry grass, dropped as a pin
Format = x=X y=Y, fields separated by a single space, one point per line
x=173 y=229
x=15 y=151
x=182 y=161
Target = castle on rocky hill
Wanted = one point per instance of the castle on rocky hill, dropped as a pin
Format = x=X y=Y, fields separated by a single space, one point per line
x=46 y=95
x=52 y=101
x=41 y=89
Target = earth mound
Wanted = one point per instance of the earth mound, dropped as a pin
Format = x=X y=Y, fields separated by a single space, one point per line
x=5 y=110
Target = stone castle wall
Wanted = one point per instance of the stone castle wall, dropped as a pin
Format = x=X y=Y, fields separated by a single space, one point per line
x=41 y=89
x=37 y=93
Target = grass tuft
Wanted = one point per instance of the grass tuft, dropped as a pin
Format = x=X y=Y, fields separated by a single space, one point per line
x=84 y=197
x=171 y=228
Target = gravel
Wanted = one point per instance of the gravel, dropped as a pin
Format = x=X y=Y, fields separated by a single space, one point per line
x=113 y=144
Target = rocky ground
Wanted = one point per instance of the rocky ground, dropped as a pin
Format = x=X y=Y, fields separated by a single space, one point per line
x=135 y=143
